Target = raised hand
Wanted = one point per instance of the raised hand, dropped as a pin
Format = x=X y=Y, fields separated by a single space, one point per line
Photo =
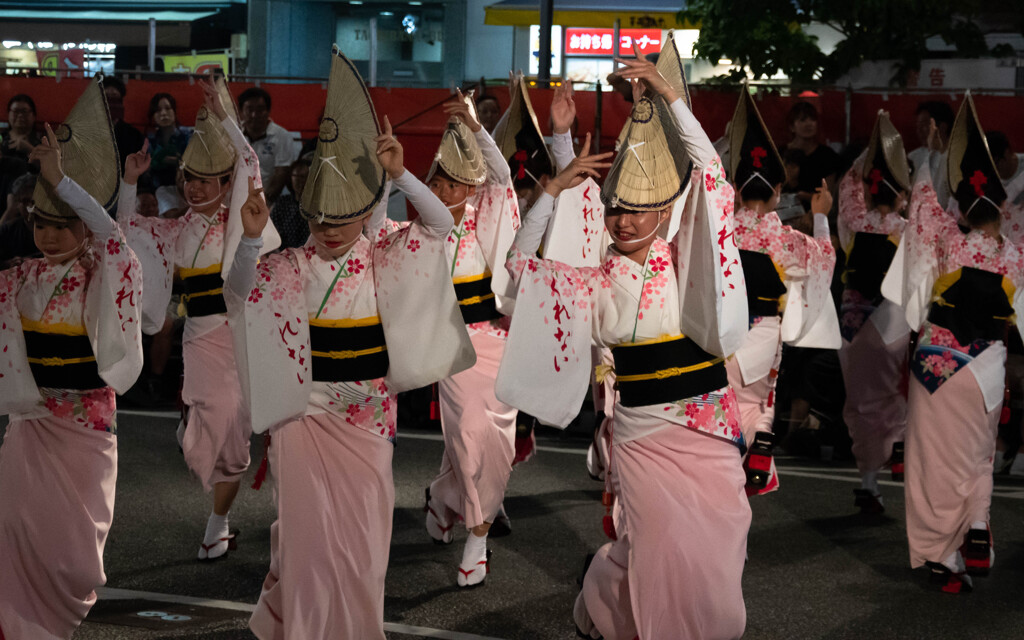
x=254 y=212
x=47 y=154
x=934 y=139
x=211 y=98
x=583 y=167
x=563 y=108
x=137 y=164
x=462 y=110
x=821 y=201
x=645 y=71
x=390 y=152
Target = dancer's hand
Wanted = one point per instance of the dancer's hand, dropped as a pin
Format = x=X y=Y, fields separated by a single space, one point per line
x=390 y=152
x=137 y=164
x=647 y=73
x=563 y=108
x=582 y=167
x=462 y=110
x=47 y=154
x=255 y=213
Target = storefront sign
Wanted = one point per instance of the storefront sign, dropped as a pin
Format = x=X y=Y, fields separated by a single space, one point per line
x=198 y=64
x=600 y=42
x=69 y=62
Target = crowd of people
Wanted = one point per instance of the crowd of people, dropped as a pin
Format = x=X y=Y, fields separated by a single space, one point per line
x=694 y=289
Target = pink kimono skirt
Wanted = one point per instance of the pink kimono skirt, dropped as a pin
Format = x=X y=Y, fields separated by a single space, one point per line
x=330 y=543
x=876 y=408
x=479 y=438
x=948 y=460
x=57 y=483
x=676 y=569
x=216 y=442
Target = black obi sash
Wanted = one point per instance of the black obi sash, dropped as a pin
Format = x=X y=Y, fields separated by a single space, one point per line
x=665 y=370
x=204 y=291
x=764 y=284
x=348 y=350
x=60 y=356
x=867 y=264
x=973 y=304
x=476 y=300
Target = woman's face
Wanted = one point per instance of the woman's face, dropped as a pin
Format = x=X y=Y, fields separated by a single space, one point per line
x=489 y=113
x=164 y=115
x=59 y=242
x=335 y=240
x=299 y=175
x=633 y=231
x=205 y=195
x=453 y=194
x=805 y=128
x=21 y=117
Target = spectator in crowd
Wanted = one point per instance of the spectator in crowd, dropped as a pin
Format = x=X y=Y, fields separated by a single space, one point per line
x=170 y=198
x=820 y=162
x=16 y=239
x=127 y=138
x=167 y=140
x=271 y=142
x=943 y=116
x=21 y=134
x=285 y=212
x=146 y=203
x=488 y=111
x=1009 y=165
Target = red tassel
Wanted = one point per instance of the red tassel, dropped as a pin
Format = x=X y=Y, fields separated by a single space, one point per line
x=1004 y=415
x=435 y=405
x=261 y=473
x=607 y=523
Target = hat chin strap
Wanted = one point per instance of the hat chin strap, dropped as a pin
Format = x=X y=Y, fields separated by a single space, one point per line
x=636 y=240
x=756 y=174
x=60 y=256
x=971 y=208
x=202 y=204
x=335 y=251
x=453 y=207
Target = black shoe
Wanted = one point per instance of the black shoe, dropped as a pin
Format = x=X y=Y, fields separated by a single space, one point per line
x=867 y=502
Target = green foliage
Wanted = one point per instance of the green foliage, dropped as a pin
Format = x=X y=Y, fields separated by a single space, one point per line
x=768 y=37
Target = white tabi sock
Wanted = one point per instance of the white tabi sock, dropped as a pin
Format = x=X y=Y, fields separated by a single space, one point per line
x=473 y=568
x=869 y=482
x=216 y=528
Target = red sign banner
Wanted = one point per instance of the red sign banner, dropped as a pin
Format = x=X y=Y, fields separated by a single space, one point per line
x=581 y=41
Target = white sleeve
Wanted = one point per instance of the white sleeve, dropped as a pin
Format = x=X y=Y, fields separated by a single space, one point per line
x=90 y=211
x=433 y=214
x=535 y=223
x=561 y=148
x=126 y=200
x=242 y=275
x=497 y=168
x=697 y=143
x=821 y=230
x=379 y=216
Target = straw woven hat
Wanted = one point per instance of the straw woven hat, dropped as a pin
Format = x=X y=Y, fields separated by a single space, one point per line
x=670 y=66
x=647 y=172
x=751 y=148
x=346 y=181
x=209 y=153
x=887 y=154
x=972 y=172
x=519 y=137
x=88 y=156
x=459 y=154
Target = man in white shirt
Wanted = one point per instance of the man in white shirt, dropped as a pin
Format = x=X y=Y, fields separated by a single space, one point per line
x=1009 y=165
x=272 y=143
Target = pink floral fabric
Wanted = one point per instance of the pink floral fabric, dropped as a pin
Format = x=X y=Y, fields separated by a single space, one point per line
x=95 y=409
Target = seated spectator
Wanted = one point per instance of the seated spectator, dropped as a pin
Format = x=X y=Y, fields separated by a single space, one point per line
x=21 y=135
x=1009 y=165
x=488 y=111
x=820 y=162
x=927 y=111
x=127 y=138
x=285 y=212
x=170 y=198
x=789 y=208
x=271 y=142
x=145 y=197
x=16 y=237
x=167 y=140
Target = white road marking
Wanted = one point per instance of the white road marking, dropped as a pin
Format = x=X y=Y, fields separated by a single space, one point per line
x=110 y=593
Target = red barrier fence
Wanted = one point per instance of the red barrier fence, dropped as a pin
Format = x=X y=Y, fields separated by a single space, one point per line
x=298 y=107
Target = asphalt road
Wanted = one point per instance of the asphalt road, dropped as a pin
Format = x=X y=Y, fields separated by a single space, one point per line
x=816 y=569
